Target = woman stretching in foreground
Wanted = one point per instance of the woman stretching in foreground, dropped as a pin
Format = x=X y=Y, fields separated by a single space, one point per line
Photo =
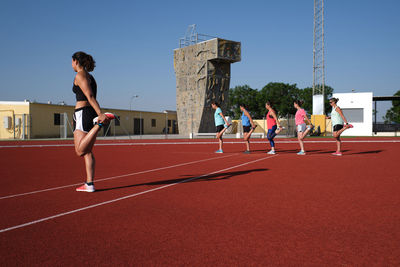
x=87 y=112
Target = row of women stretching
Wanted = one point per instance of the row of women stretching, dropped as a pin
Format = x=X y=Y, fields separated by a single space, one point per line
x=88 y=119
x=339 y=124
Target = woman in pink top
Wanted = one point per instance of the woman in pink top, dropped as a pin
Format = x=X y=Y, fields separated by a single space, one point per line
x=302 y=128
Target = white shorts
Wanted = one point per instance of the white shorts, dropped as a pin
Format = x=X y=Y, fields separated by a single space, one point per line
x=301 y=127
x=83 y=118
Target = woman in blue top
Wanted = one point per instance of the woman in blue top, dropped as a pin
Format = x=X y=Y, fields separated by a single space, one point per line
x=248 y=127
x=338 y=125
x=221 y=124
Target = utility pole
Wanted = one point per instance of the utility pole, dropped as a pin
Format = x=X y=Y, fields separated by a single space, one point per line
x=318 y=59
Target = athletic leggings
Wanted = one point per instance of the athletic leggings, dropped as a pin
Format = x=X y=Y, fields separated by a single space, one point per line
x=271 y=134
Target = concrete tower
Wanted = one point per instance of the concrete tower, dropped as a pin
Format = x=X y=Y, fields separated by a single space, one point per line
x=203 y=74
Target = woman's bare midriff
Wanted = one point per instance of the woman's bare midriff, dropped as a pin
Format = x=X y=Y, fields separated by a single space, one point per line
x=81 y=104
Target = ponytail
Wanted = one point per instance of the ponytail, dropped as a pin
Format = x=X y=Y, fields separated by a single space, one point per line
x=85 y=60
x=334 y=99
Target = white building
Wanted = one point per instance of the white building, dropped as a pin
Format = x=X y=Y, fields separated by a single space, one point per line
x=357 y=108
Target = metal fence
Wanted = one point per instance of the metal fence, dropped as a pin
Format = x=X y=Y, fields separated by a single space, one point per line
x=386 y=127
x=15 y=126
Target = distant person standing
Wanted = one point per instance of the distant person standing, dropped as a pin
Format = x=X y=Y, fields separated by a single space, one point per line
x=339 y=124
x=221 y=124
x=273 y=126
x=87 y=113
x=302 y=128
x=248 y=127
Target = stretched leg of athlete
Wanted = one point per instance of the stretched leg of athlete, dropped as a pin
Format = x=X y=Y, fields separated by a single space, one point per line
x=90 y=164
x=338 y=142
x=336 y=135
x=304 y=134
x=219 y=134
x=221 y=142
x=246 y=137
x=300 y=137
x=270 y=136
x=84 y=141
x=345 y=127
x=83 y=147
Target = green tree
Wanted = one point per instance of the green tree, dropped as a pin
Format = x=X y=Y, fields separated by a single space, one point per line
x=393 y=114
x=242 y=95
x=306 y=95
x=281 y=96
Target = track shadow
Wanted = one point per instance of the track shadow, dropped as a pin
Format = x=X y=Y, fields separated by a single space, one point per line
x=323 y=151
x=287 y=150
x=343 y=151
x=366 y=152
x=190 y=178
x=257 y=151
x=277 y=150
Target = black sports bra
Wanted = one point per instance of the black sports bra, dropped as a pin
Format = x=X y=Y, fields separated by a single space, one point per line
x=80 y=96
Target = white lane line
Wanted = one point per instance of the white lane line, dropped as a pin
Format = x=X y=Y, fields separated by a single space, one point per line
x=203 y=143
x=115 y=177
x=128 y=196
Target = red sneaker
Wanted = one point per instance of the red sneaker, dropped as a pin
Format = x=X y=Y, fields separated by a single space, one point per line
x=108 y=115
x=349 y=125
x=86 y=188
x=112 y=116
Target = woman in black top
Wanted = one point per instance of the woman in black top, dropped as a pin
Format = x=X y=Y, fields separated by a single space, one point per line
x=88 y=118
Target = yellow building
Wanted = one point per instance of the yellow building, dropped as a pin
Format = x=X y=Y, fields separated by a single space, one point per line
x=26 y=120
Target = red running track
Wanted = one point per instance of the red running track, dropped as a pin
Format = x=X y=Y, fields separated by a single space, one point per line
x=169 y=203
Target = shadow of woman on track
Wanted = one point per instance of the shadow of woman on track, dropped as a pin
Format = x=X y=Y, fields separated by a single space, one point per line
x=366 y=152
x=190 y=178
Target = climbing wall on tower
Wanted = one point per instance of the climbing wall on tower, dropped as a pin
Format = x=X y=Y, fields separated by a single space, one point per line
x=203 y=73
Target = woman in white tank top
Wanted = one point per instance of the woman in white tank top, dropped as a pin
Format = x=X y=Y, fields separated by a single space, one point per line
x=339 y=124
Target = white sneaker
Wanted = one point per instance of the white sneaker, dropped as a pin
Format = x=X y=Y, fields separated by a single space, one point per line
x=86 y=188
x=271 y=152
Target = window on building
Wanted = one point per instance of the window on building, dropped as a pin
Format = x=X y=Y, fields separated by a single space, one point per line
x=117 y=121
x=153 y=122
x=57 y=119
x=169 y=123
x=354 y=114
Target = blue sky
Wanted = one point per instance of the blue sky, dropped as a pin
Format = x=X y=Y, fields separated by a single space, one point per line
x=133 y=42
